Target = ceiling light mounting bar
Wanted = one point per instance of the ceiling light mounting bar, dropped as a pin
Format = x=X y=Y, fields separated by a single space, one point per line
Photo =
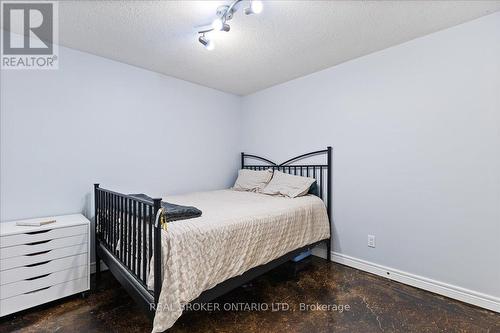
x=226 y=12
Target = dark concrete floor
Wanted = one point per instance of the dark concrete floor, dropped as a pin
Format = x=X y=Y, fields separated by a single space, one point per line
x=375 y=305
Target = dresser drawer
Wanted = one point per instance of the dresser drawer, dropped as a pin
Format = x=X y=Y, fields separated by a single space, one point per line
x=42 y=235
x=42 y=281
x=40 y=296
x=21 y=250
x=40 y=257
x=26 y=272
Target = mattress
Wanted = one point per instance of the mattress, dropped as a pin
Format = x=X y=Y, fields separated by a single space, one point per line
x=237 y=231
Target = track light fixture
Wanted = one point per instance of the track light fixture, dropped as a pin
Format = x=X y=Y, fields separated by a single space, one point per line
x=224 y=14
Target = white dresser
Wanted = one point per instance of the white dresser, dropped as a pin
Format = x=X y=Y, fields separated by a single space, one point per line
x=42 y=264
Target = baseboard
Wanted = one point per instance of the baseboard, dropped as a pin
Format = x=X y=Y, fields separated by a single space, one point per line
x=92 y=267
x=441 y=288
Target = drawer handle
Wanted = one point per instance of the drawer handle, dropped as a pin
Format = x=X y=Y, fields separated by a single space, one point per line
x=37 y=232
x=38 y=263
x=35 y=291
x=40 y=242
x=37 y=253
x=37 y=277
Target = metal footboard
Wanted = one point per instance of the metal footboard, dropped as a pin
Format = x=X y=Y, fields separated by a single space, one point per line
x=128 y=236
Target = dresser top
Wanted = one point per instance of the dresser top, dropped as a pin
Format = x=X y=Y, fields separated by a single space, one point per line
x=10 y=228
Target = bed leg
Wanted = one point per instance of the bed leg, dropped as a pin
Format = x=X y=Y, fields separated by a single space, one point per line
x=96 y=241
x=97 y=268
x=329 y=250
x=157 y=251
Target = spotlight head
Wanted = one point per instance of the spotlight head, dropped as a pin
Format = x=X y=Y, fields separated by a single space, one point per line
x=207 y=43
x=255 y=7
x=217 y=24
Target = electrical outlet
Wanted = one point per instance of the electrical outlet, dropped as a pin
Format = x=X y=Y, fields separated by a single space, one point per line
x=371 y=241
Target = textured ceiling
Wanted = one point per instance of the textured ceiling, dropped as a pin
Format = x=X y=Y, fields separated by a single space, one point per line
x=287 y=40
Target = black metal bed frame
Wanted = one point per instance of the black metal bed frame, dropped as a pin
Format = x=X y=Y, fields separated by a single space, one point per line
x=128 y=233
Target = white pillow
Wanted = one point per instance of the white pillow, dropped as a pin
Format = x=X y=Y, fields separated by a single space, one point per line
x=288 y=185
x=252 y=180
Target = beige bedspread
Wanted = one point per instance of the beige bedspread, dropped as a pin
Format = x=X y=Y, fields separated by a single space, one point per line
x=237 y=231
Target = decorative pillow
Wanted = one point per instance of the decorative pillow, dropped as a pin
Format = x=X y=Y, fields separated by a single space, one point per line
x=288 y=185
x=314 y=189
x=252 y=180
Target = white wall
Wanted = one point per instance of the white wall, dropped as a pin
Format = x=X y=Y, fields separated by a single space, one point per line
x=415 y=130
x=96 y=120
x=416 y=136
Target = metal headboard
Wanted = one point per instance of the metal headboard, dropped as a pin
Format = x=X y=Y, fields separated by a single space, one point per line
x=321 y=172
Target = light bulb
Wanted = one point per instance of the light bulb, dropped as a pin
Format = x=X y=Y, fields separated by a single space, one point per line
x=217 y=24
x=210 y=45
x=256 y=6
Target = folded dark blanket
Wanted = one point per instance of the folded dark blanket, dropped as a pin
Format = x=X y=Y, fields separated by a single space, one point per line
x=172 y=212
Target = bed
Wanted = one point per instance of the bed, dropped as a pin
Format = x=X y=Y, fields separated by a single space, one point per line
x=240 y=235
